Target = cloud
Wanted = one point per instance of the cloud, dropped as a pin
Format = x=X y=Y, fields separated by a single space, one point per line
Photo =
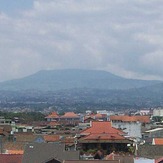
x=121 y=36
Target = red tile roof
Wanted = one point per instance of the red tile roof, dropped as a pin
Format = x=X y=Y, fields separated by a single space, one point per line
x=15 y=151
x=102 y=131
x=52 y=138
x=10 y=158
x=53 y=123
x=89 y=119
x=126 y=118
x=70 y=115
x=53 y=115
x=157 y=141
x=101 y=127
x=98 y=116
x=68 y=140
x=104 y=136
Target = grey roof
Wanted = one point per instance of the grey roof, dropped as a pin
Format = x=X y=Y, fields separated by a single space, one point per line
x=40 y=152
x=92 y=161
x=150 y=151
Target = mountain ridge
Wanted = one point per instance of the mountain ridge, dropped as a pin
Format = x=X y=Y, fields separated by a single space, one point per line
x=52 y=80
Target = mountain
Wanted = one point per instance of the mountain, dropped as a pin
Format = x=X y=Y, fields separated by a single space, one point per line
x=52 y=80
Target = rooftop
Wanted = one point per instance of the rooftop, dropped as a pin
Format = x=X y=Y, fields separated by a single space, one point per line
x=157 y=141
x=53 y=115
x=126 y=118
x=153 y=130
x=101 y=127
x=102 y=131
x=70 y=115
x=52 y=138
x=11 y=158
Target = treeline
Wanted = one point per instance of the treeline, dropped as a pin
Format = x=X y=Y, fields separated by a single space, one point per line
x=24 y=117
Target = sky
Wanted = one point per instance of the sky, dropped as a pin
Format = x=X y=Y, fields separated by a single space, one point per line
x=123 y=37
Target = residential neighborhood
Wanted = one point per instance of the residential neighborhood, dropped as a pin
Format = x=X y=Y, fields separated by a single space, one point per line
x=83 y=137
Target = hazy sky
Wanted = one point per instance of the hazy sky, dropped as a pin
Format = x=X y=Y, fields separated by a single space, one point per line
x=124 y=37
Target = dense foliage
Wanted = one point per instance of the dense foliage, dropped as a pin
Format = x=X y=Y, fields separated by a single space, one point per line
x=24 y=117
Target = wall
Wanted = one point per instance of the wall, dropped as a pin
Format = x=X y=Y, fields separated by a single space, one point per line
x=132 y=128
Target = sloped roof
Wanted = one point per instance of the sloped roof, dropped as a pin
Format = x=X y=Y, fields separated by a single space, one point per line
x=91 y=161
x=15 y=151
x=102 y=131
x=86 y=118
x=157 y=141
x=11 y=158
x=53 y=123
x=98 y=116
x=126 y=118
x=150 y=151
x=25 y=137
x=101 y=127
x=70 y=115
x=68 y=140
x=40 y=152
x=52 y=138
x=6 y=128
x=53 y=115
x=123 y=158
x=103 y=136
x=14 y=145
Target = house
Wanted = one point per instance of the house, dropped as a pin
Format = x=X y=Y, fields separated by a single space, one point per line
x=23 y=128
x=132 y=129
x=132 y=125
x=88 y=119
x=52 y=117
x=70 y=143
x=145 y=112
x=95 y=117
x=126 y=118
x=158 y=112
x=100 y=117
x=48 y=152
x=4 y=121
x=84 y=125
x=70 y=118
x=101 y=135
x=16 y=144
x=5 y=130
x=53 y=124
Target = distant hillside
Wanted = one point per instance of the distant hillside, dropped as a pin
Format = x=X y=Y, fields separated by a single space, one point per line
x=52 y=80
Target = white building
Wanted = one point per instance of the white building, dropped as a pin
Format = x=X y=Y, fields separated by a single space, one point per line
x=133 y=129
x=105 y=112
x=144 y=112
x=158 y=112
